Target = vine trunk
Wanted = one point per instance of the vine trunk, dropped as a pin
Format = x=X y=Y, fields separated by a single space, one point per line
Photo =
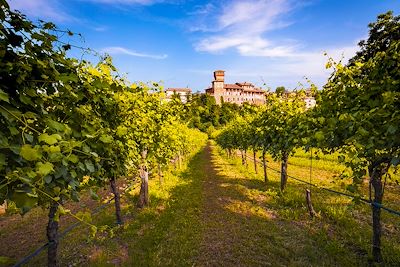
x=52 y=234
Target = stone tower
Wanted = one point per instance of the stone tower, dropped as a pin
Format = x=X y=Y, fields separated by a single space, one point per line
x=218 y=85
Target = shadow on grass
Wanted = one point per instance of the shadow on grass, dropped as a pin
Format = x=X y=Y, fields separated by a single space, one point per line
x=168 y=232
x=300 y=242
x=213 y=215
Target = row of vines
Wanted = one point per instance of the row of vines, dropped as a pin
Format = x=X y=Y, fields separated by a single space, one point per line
x=357 y=114
x=69 y=126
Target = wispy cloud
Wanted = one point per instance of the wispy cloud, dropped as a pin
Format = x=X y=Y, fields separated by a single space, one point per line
x=42 y=9
x=203 y=9
x=54 y=10
x=242 y=25
x=101 y=28
x=116 y=50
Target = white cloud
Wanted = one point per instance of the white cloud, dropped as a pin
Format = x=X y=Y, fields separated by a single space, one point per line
x=101 y=28
x=254 y=16
x=242 y=25
x=116 y=50
x=245 y=27
x=288 y=71
x=42 y=9
x=245 y=45
x=203 y=10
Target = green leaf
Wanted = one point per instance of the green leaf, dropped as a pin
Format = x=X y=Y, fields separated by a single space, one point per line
x=3 y=141
x=351 y=188
x=106 y=138
x=49 y=139
x=63 y=210
x=89 y=165
x=73 y=175
x=84 y=216
x=362 y=131
x=4 y=96
x=44 y=168
x=319 y=136
x=54 y=149
x=57 y=190
x=93 y=230
x=3 y=161
x=392 y=129
x=73 y=158
x=26 y=100
x=93 y=194
x=23 y=201
x=121 y=131
x=81 y=166
x=55 y=125
x=30 y=153
x=48 y=179
x=13 y=130
x=28 y=137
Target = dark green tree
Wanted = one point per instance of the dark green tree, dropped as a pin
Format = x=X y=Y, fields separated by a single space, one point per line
x=280 y=90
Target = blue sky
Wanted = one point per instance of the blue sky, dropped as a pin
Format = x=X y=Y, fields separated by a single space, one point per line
x=181 y=43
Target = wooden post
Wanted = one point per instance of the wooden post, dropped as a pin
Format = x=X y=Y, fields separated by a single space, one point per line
x=179 y=160
x=309 y=204
x=255 y=160
x=117 y=201
x=245 y=158
x=144 y=186
x=284 y=170
x=264 y=166
x=52 y=235
x=376 y=171
x=160 y=174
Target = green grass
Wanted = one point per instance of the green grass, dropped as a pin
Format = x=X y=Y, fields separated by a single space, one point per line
x=347 y=225
x=216 y=212
x=164 y=230
x=163 y=234
x=277 y=225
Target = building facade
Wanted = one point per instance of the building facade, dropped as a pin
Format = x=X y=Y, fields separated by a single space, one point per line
x=310 y=102
x=306 y=95
x=183 y=93
x=237 y=93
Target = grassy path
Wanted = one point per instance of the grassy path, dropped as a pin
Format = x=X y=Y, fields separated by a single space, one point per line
x=215 y=212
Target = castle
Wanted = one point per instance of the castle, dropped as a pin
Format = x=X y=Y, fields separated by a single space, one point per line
x=237 y=93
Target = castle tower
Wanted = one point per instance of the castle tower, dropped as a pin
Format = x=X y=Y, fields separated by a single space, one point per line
x=218 y=85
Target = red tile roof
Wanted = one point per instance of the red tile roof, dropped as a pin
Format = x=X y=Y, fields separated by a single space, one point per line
x=232 y=86
x=240 y=87
x=179 y=89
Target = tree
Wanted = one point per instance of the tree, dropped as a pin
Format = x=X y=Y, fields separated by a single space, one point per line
x=280 y=122
x=262 y=137
x=359 y=112
x=280 y=90
x=57 y=121
x=382 y=33
x=228 y=112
